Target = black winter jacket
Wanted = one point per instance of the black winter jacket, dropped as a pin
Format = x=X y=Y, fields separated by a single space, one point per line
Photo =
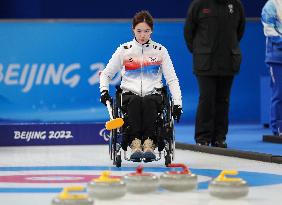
x=213 y=29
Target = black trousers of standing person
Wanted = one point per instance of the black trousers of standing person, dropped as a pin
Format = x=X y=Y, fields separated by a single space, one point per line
x=142 y=113
x=213 y=108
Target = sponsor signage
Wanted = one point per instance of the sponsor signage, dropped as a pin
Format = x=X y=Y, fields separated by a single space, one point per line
x=53 y=134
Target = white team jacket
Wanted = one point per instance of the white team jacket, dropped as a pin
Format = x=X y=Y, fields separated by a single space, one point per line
x=141 y=69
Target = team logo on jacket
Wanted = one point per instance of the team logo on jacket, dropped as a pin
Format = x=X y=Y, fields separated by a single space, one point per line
x=206 y=10
x=153 y=59
x=231 y=8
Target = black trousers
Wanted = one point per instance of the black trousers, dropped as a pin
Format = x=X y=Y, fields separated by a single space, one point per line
x=142 y=113
x=213 y=108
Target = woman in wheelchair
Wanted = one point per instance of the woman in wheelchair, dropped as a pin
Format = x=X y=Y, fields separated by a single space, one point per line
x=142 y=63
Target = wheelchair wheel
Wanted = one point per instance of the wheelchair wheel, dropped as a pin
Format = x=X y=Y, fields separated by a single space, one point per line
x=116 y=150
x=167 y=159
x=110 y=147
x=116 y=155
x=112 y=142
x=118 y=160
x=172 y=144
x=113 y=137
x=171 y=140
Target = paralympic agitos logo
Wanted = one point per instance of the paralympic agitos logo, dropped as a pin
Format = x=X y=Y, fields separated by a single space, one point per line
x=105 y=134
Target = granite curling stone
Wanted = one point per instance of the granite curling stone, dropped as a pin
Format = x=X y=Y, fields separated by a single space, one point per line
x=140 y=182
x=228 y=188
x=106 y=188
x=66 y=198
x=178 y=181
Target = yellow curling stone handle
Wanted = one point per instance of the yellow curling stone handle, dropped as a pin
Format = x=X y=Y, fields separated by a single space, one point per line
x=66 y=195
x=105 y=177
x=222 y=176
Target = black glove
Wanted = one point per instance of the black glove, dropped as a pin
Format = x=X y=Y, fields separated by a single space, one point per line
x=105 y=96
x=176 y=113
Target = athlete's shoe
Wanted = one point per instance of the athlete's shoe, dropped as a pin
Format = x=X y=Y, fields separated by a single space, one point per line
x=148 y=148
x=136 y=150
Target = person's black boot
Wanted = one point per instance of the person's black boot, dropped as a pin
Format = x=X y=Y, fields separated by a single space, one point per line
x=203 y=143
x=221 y=144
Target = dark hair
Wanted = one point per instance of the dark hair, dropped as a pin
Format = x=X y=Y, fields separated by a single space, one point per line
x=143 y=16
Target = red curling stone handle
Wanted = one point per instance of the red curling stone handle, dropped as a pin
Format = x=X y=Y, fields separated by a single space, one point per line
x=185 y=169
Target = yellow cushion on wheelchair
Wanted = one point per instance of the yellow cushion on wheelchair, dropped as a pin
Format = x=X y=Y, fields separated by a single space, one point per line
x=114 y=124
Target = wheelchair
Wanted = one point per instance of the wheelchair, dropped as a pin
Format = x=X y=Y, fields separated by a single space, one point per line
x=164 y=131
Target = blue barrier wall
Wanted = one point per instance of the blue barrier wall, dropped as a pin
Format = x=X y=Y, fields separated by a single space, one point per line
x=105 y=9
x=20 y=134
x=49 y=70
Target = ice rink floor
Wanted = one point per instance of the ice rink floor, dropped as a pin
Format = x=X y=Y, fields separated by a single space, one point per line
x=35 y=175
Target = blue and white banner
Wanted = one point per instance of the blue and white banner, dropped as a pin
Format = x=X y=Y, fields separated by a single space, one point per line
x=49 y=71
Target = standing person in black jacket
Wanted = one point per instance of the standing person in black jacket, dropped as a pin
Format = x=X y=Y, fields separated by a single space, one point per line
x=212 y=31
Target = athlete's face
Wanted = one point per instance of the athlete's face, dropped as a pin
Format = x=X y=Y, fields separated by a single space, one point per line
x=142 y=32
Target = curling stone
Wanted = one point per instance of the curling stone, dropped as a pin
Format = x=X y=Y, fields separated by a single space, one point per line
x=66 y=198
x=140 y=182
x=106 y=187
x=228 y=188
x=178 y=181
